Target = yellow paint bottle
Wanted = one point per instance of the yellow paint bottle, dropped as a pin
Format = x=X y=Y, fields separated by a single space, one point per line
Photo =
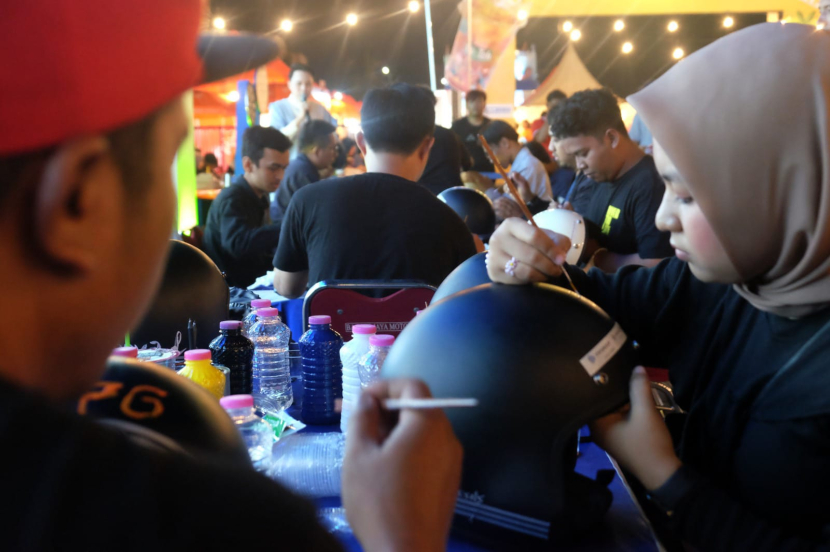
x=198 y=369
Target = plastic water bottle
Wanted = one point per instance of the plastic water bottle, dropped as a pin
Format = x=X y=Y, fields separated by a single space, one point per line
x=257 y=434
x=235 y=352
x=271 y=373
x=372 y=362
x=322 y=372
x=250 y=315
x=350 y=356
x=197 y=368
x=309 y=463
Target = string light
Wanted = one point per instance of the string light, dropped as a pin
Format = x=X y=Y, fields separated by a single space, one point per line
x=385 y=70
x=576 y=34
x=567 y=26
x=728 y=22
x=523 y=15
x=232 y=96
x=351 y=19
x=619 y=25
x=673 y=26
x=286 y=25
x=338 y=96
x=414 y=6
x=219 y=23
x=444 y=81
x=678 y=53
x=627 y=48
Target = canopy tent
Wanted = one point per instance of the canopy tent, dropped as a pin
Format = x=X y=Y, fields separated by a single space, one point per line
x=569 y=76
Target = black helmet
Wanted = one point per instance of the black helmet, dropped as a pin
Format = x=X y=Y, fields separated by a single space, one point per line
x=470 y=273
x=474 y=208
x=542 y=362
x=159 y=409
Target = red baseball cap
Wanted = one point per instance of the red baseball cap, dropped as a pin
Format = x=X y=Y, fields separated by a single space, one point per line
x=75 y=67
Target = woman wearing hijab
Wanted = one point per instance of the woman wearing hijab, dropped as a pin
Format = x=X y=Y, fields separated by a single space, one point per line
x=740 y=317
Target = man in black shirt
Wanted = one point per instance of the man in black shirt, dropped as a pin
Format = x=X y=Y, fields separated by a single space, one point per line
x=382 y=224
x=317 y=147
x=239 y=236
x=468 y=128
x=86 y=207
x=619 y=187
x=443 y=168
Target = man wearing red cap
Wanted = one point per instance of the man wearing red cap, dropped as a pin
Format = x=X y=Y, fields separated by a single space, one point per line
x=91 y=120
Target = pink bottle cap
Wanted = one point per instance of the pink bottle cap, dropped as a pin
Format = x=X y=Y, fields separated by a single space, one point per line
x=362 y=329
x=126 y=352
x=197 y=354
x=382 y=340
x=230 y=325
x=237 y=401
x=319 y=320
x=261 y=303
x=267 y=312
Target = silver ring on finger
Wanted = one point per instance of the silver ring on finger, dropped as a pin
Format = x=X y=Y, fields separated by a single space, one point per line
x=510 y=267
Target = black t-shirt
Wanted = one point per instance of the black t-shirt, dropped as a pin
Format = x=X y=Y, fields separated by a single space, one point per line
x=69 y=484
x=443 y=168
x=468 y=133
x=756 y=434
x=300 y=172
x=625 y=210
x=371 y=226
x=239 y=236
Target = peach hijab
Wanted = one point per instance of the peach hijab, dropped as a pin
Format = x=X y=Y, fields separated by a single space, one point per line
x=746 y=121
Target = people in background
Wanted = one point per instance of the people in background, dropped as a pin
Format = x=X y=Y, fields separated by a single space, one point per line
x=563 y=178
x=381 y=225
x=288 y=114
x=207 y=179
x=540 y=125
x=317 y=149
x=87 y=204
x=468 y=128
x=641 y=135
x=446 y=161
x=239 y=235
x=618 y=187
x=504 y=142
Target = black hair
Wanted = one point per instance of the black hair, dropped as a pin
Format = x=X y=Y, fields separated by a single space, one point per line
x=539 y=152
x=586 y=113
x=556 y=95
x=257 y=138
x=397 y=118
x=474 y=95
x=496 y=130
x=300 y=67
x=210 y=159
x=314 y=133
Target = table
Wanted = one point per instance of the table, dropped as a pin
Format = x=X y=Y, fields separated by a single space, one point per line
x=623 y=530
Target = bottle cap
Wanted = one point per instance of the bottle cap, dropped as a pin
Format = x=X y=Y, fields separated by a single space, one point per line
x=237 y=401
x=267 y=312
x=362 y=329
x=261 y=303
x=230 y=325
x=382 y=340
x=197 y=354
x=126 y=352
x=319 y=320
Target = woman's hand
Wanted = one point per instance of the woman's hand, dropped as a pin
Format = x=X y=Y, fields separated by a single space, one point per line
x=637 y=436
x=537 y=254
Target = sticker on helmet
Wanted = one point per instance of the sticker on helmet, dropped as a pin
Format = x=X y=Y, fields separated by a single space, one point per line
x=604 y=351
